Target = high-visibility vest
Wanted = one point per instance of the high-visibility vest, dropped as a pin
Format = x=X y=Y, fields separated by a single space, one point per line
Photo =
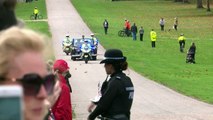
x=153 y=36
x=181 y=38
x=35 y=11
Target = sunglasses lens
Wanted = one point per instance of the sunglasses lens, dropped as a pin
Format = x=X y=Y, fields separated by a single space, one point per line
x=49 y=82
x=31 y=84
x=31 y=89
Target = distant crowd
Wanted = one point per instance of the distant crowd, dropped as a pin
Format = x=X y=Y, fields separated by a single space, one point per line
x=133 y=31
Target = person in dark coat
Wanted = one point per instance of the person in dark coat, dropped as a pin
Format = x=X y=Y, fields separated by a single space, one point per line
x=134 y=31
x=191 y=54
x=106 y=26
x=117 y=92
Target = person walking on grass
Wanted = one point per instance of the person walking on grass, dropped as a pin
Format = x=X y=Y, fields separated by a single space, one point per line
x=141 y=32
x=153 y=36
x=181 y=41
x=191 y=53
x=106 y=26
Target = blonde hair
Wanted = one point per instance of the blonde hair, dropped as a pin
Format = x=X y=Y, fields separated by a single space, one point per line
x=14 y=41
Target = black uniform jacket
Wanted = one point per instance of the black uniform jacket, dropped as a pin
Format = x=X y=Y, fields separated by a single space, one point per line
x=117 y=97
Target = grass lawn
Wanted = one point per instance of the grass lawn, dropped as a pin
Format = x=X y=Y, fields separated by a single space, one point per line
x=24 y=10
x=164 y=64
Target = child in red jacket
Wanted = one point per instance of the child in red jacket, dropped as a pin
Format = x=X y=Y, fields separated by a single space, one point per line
x=62 y=109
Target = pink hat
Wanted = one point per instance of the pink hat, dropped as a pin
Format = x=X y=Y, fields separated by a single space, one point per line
x=60 y=65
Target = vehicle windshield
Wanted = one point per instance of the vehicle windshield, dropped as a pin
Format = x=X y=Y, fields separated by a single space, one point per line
x=79 y=42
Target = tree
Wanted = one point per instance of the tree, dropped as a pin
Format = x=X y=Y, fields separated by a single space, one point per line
x=199 y=3
x=208 y=5
x=184 y=1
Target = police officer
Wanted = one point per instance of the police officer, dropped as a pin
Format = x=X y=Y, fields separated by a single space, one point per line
x=153 y=36
x=95 y=40
x=117 y=92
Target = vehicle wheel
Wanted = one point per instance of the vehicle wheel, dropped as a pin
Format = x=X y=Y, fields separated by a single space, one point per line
x=40 y=17
x=32 y=17
x=67 y=53
x=72 y=58
x=73 y=52
x=121 y=33
x=86 y=61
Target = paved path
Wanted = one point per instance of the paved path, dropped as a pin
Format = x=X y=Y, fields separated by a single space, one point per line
x=151 y=102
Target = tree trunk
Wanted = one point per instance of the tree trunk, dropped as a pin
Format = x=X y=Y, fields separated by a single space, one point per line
x=184 y=1
x=208 y=5
x=199 y=3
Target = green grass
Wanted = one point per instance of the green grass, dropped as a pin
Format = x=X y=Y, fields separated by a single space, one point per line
x=23 y=12
x=164 y=64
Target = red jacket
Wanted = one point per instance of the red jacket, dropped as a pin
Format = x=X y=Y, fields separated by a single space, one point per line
x=62 y=109
x=127 y=25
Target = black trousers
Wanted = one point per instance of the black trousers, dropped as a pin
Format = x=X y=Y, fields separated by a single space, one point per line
x=36 y=16
x=153 y=44
x=105 y=29
x=141 y=37
x=162 y=27
x=175 y=27
x=182 y=45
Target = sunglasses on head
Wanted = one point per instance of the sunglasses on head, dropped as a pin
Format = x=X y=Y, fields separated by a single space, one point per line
x=32 y=83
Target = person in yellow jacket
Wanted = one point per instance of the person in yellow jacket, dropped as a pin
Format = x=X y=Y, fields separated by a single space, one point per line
x=153 y=36
x=181 y=41
x=35 y=12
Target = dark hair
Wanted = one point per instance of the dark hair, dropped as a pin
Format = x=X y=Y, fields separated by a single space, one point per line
x=10 y=4
x=120 y=66
x=193 y=44
x=7 y=14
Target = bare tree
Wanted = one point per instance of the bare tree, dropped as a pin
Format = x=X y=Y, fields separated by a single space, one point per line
x=208 y=5
x=199 y=3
